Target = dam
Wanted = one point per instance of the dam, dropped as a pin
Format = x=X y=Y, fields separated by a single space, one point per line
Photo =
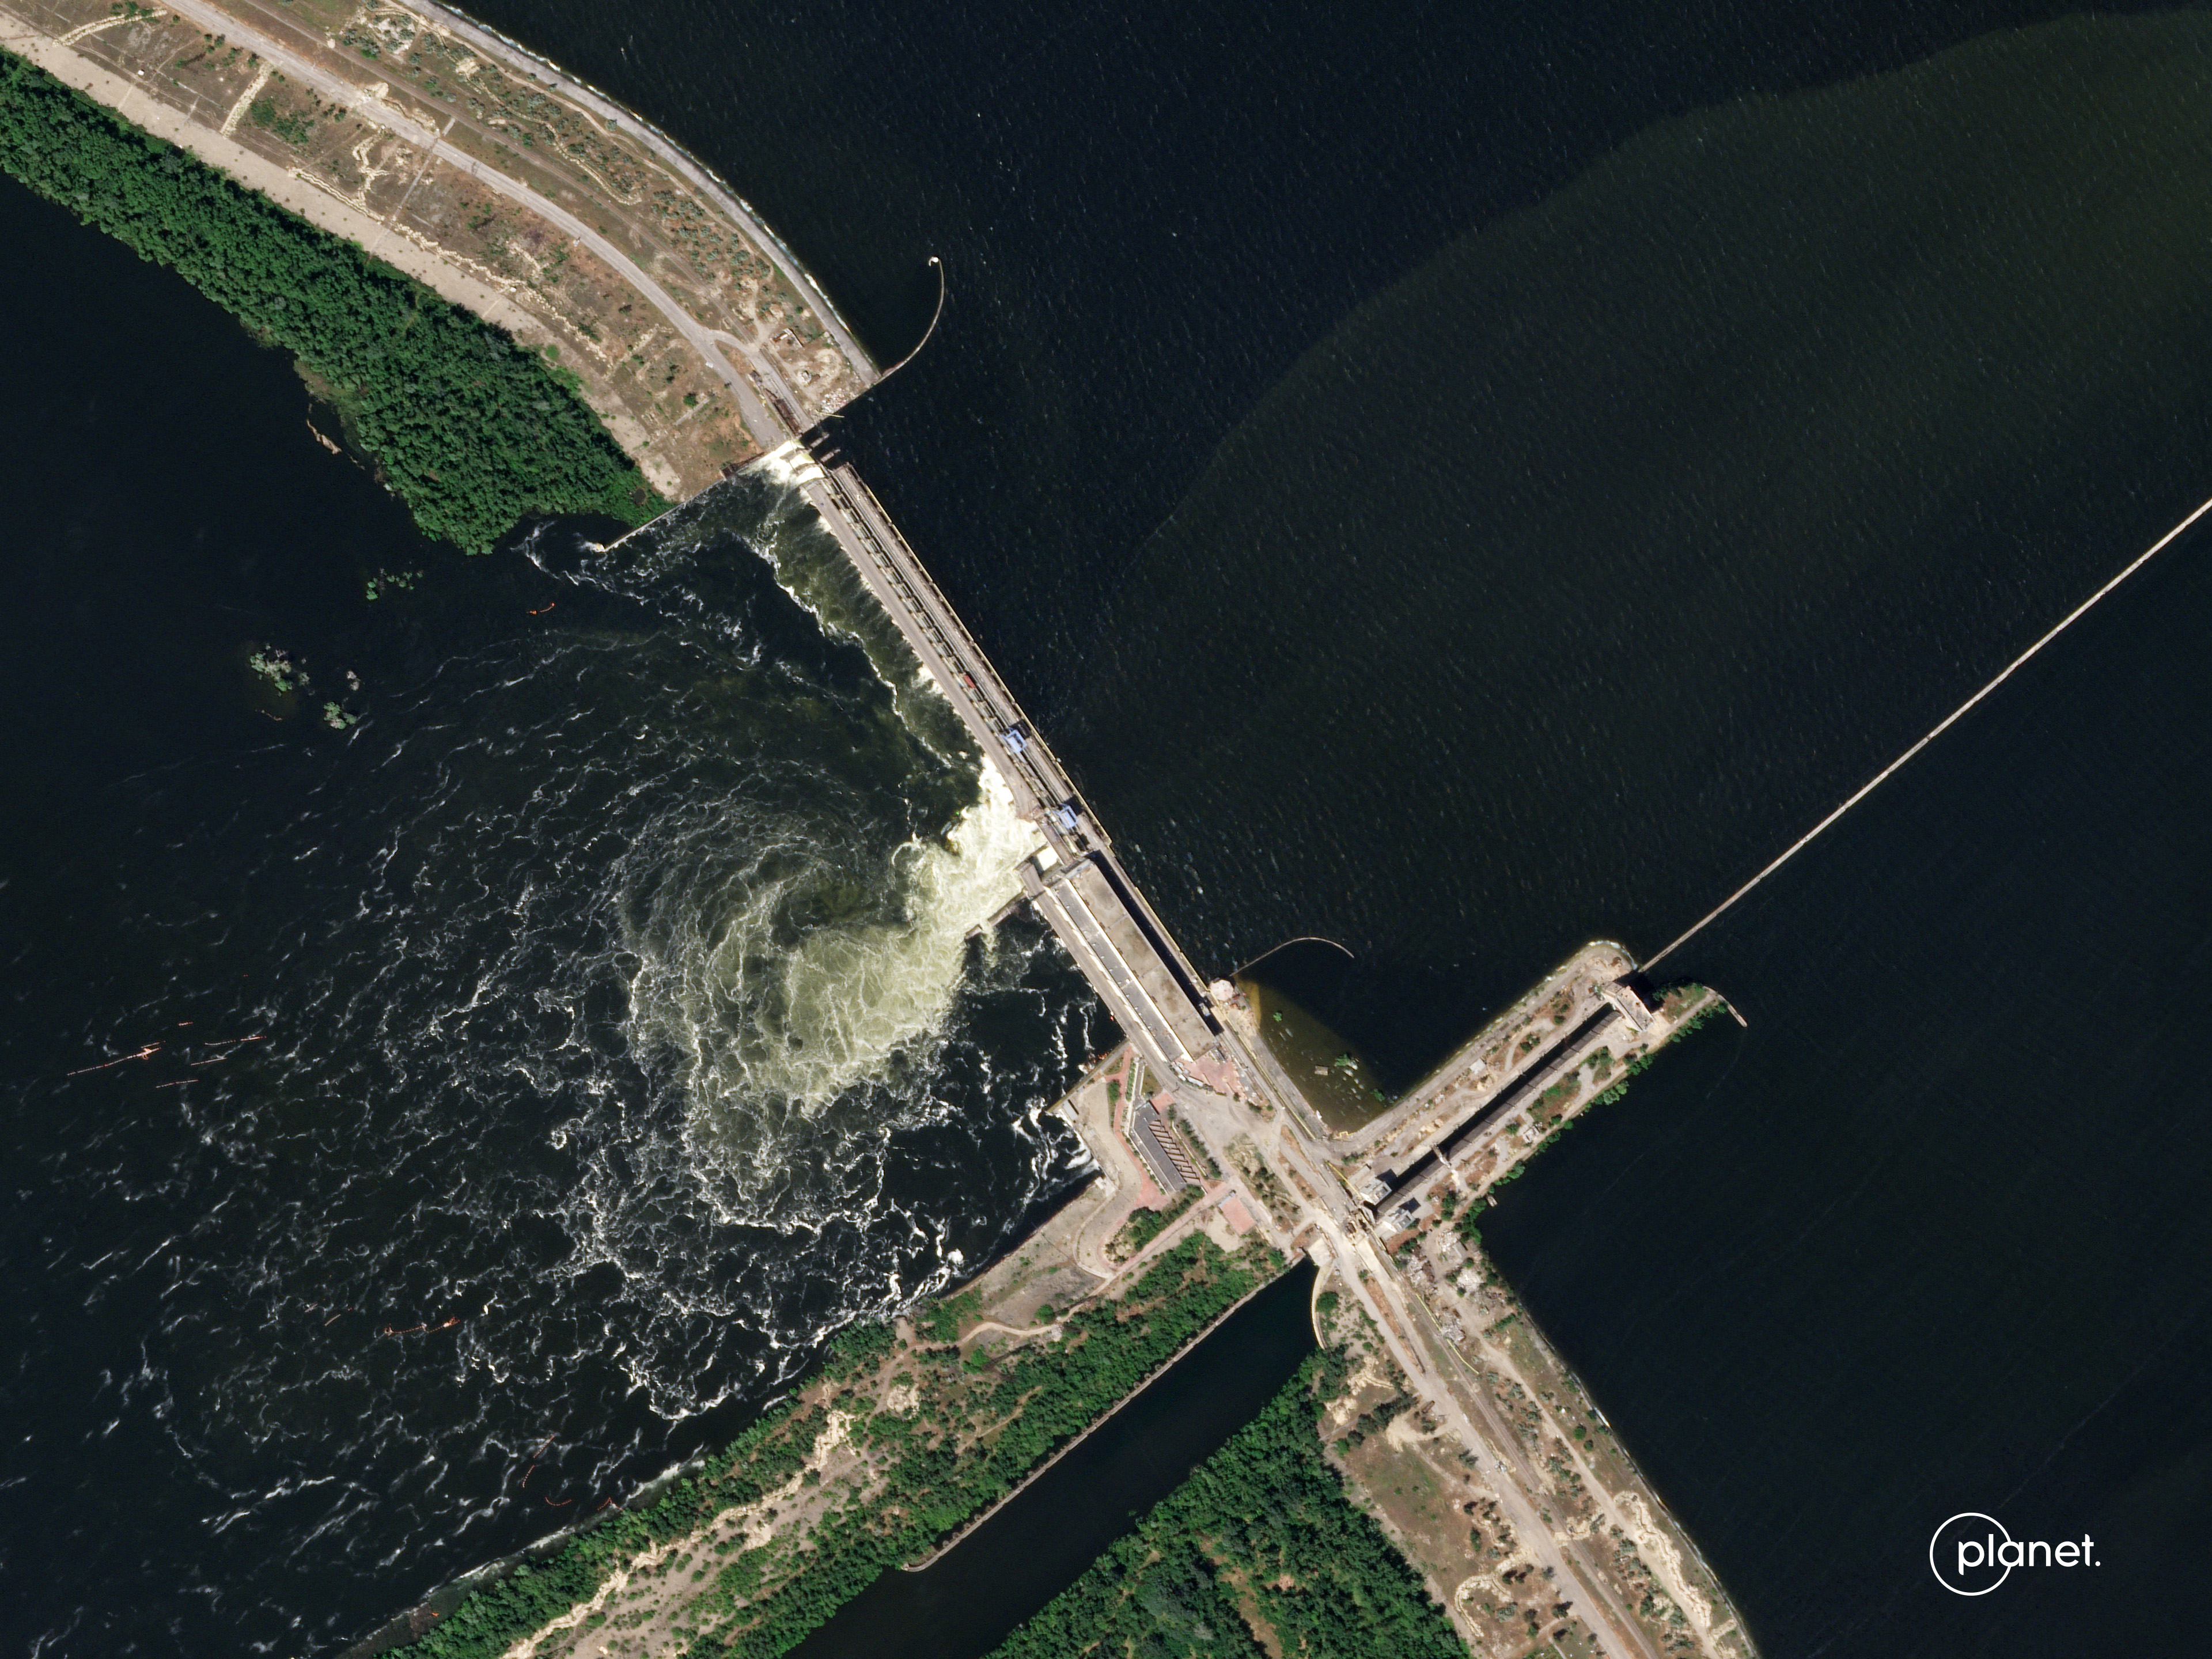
x=1075 y=882
x=1359 y=1204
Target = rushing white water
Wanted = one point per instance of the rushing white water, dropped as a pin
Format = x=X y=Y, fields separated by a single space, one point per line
x=760 y=1018
x=781 y=984
x=556 y=1057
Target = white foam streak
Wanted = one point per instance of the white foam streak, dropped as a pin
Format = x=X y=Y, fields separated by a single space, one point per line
x=760 y=1024
x=871 y=990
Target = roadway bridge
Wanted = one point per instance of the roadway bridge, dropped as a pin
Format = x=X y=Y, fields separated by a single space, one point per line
x=1076 y=883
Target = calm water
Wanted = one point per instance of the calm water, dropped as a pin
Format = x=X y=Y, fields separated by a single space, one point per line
x=1454 y=483
x=1330 y=645
x=1931 y=1235
x=1581 y=571
x=1148 y=212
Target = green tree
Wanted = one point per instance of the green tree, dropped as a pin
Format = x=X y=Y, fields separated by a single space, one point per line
x=472 y=431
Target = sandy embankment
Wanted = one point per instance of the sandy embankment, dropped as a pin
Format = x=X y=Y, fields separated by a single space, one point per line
x=319 y=207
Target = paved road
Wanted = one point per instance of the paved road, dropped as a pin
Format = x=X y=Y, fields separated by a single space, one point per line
x=735 y=206
x=1288 y=1148
x=1291 y=1147
x=296 y=65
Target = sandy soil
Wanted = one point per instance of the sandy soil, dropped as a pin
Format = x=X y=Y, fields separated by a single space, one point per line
x=1593 y=1495
x=498 y=187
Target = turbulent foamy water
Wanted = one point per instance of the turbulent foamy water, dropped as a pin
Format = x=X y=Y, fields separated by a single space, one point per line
x=751 y=1016
x=571 y=1047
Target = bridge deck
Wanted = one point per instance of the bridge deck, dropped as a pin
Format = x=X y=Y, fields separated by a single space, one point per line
x=1081 y=891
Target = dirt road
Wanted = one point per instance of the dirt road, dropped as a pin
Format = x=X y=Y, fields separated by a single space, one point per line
x=298 y=65
x=1288 y=1145
x=672 y=156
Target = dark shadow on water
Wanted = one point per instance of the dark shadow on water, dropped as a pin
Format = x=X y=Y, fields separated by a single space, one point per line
x=1307 y=971
x=1039 y=1544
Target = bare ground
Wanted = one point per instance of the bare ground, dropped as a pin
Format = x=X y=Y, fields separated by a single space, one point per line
x=321 y=140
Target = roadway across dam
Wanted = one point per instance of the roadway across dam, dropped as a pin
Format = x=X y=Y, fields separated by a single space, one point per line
x=1258 y=1131
x=1076 y=883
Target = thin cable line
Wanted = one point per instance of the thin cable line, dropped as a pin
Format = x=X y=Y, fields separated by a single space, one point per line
x=1871 y=784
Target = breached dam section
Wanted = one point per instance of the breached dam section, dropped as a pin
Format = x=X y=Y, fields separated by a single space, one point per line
x=1075 y=882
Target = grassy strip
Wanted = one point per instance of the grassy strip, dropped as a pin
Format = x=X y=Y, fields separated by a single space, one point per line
x=472 y=432
x=1193 y=1145
x=975 y=1432
x=1258 y=1553
x=1468 y=1226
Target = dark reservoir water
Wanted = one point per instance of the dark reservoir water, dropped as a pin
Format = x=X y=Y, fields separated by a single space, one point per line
x=1931 y=1236
x=1454 y=481
x=1423 y=527
x=1006 y=1569
x=1672 y=496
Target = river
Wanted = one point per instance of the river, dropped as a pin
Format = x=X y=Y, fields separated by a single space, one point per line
x=536 y=1070
x=1457 y=484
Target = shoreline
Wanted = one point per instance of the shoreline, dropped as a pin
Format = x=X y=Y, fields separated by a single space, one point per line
x=545 y=265
x=511 y=188
x=976 y=1521
x=493 y=43
x=1592 y=1526
x=1469 y=1314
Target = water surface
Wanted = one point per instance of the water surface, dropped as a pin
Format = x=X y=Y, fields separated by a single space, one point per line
x=1431 y=504
x=1930 y=1236
x=1003 y=1573
x=515 y=1086
x=1582 y=571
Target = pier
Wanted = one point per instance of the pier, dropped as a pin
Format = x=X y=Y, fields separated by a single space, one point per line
x=1392 y=1194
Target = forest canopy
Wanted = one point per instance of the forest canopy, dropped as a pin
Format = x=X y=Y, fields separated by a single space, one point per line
x=1260 y=1552
x=473 y=432
x=978 y=1427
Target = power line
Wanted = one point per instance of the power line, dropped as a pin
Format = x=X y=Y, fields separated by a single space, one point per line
x=1871 y=784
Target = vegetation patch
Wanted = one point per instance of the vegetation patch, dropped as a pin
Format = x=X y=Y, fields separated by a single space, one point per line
x=1143 y=1226
x=916 y=1443
x=1641 y=1061
x=1259 y=1554
x=291 y=126
x=472 y=431
x=1195 y=1144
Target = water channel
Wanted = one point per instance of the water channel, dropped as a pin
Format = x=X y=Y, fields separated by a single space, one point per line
x=967 y=1603
x=1757 y=447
